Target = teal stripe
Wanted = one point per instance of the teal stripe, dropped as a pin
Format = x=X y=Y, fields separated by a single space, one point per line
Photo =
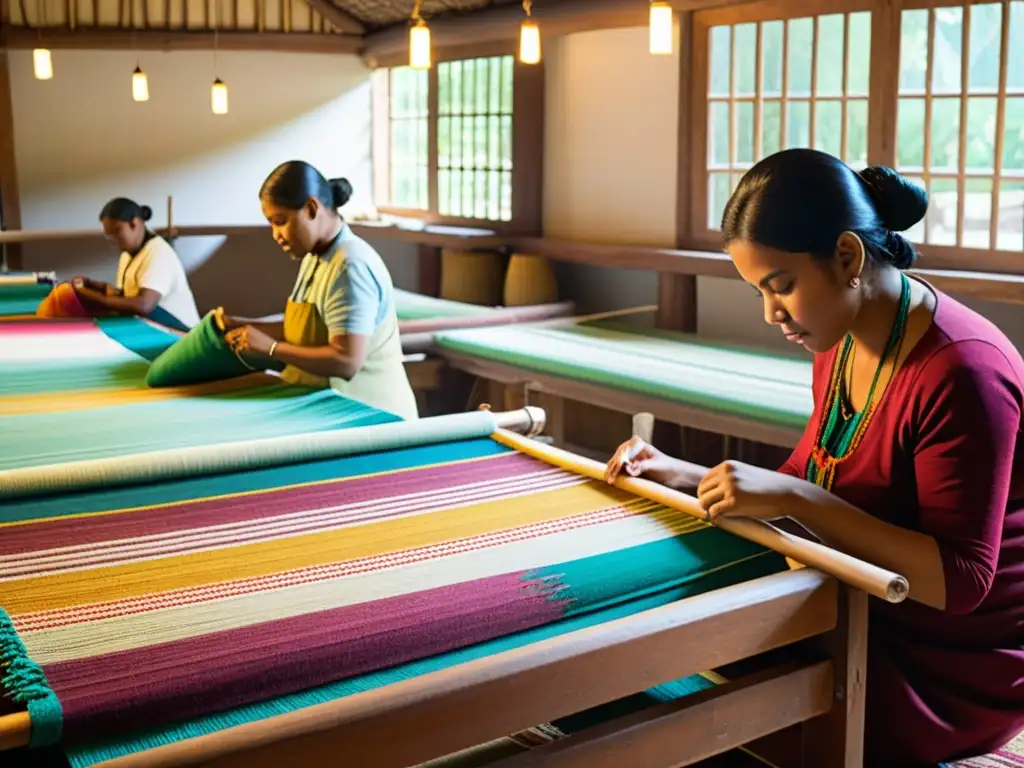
x=85 y=756
x=138 y=336
x=22 y=299
x=24 y=682
x=172 y=492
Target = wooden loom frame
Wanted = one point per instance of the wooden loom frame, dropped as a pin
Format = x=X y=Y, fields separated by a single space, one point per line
x=822 y=689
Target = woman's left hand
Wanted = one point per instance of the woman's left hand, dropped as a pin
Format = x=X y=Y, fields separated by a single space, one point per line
x=735 y=489
x=248 y=339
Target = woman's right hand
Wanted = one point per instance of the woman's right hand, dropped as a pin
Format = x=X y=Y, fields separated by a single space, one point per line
x=638 y=458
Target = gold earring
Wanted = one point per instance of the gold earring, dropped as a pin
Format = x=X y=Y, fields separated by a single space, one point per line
x=855 y=282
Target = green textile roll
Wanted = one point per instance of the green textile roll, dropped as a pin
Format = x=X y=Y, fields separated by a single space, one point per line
x=416 y=306
x=200 y=355
x=241 y=456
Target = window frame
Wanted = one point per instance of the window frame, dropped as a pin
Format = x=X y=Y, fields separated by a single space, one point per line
x=527 y=141
x=882 y=126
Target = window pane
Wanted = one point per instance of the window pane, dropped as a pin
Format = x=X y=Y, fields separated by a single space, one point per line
x=945 y=134
x=495 y=86
x=977 y=212
x=718 y=134
x=828 y=127
x=1013 y=135
x=506 y=143
x=719 y=190
x=946 y=53
x=482 y=81
x=494 y=143
x=455 y=196
x=771 y=58
x=798 y=124
x=480 y=143
x=859 y=54
x=456 y=142
x=771 y=127
x=981 y=133
x=745 y=58
x=986 y=26
x=1015 y=63
x=916 y=233
x=467 y=143
x=745 y=133
x=857 y=133
x=942 y=212
x=801 y=38
x=444 y=125
x=910 y=134
x=443 y=191
x=494 y=195
x=720 y=61
x=468 y=87
x=506 y=85
x=830 y=54
x=506 y=196
x=913 y=51
x=1011 y=216
x=444 y=105
x=455 y=73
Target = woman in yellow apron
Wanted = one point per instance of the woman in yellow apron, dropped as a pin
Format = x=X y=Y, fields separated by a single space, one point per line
x=340 y=328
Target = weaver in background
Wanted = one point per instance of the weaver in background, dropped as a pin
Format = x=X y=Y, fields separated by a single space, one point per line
x=913 y=457
x=151 y=281
x=340 y=326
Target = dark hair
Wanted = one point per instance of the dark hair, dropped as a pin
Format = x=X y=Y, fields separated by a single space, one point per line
x=123 y=209
x=802 y=200
x=292 y=184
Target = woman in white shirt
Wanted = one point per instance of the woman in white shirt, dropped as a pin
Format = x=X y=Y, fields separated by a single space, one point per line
x=151 y=281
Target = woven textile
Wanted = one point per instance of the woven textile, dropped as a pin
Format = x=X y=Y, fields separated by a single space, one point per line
x=772 y=388
x=21 y=299
x=254 y=593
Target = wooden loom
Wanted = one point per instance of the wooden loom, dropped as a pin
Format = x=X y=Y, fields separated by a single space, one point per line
x=817 y=615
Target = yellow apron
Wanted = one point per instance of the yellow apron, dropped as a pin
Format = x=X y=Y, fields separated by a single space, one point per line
x=381 y=381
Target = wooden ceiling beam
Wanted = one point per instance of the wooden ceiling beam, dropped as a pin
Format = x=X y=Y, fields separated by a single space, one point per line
x=341 y=20
x=105 y=39
x=501 y=22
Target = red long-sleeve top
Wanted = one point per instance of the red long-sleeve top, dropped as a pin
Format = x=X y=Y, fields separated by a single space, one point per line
x=944 y=456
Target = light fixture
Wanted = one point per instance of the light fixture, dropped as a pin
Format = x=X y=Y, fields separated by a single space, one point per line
x=42 y=63
x=661 y=28
x=419 y=40
x=529 y=37
x=140 y=85
x=219 y=97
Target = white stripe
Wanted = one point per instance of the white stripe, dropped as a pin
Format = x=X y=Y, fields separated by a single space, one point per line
x=161 y=626
x=95 y=346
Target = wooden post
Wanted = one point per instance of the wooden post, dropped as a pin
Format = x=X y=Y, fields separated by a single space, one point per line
x=837 y=738
x=430 y=270
x=10 y=204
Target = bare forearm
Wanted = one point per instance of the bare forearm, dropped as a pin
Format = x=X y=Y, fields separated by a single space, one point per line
x=846 y=528
x=687 y=475
x=320 y=361
x=136 y=305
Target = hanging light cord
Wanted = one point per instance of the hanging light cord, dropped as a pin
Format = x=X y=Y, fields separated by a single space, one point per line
x=416 y=12
x=527 y=6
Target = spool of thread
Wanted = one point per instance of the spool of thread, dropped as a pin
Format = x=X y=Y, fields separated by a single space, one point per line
x=529 y=280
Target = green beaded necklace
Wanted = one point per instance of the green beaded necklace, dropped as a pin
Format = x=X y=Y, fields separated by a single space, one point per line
x=839 y=433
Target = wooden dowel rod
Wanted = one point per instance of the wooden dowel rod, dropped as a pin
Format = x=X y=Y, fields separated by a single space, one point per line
x=15 y=731
x=869 y=578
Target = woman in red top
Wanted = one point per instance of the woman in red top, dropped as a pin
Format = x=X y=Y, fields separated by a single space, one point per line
x=913 y=457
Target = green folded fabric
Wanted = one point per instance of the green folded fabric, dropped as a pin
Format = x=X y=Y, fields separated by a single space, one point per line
x=199 y=356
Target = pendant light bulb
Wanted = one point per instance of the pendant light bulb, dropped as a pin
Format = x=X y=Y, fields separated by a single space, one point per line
x=529 y=42
x=219 y=97
x=661 y=28
x=42 y=63
x=419 y=45
x=140 y=85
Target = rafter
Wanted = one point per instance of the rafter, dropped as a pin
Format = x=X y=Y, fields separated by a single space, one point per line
x=342 y=20
x=99 y=38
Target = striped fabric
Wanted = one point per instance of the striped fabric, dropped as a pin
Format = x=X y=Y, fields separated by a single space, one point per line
x=19 y=298
x=773 y=388
x=183 y=607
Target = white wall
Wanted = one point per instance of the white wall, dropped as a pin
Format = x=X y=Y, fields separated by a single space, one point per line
x=610 y=176
x=80 y=140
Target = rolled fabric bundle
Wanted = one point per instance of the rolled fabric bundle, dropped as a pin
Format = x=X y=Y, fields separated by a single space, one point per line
x=61 y=302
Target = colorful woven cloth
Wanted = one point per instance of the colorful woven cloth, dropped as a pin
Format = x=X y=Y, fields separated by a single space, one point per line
x=182 y=607
x=18 y=298
x=61 y=302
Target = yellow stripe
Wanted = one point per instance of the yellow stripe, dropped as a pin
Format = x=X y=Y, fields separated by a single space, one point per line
x=303 y=551
x=253 y=494
x=49 y=402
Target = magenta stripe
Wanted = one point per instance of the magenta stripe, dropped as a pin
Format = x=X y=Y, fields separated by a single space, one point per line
x=187 y=678
x=48 y=327
x=260 y=505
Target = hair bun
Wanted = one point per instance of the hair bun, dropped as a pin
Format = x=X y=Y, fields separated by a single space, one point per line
x=341 y=191
x=900 y=203
x=902 y=252
x=146 y=212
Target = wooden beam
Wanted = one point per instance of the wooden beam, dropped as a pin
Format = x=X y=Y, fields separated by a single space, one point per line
x=342 y=21
x=105 y=39
x=10 y=201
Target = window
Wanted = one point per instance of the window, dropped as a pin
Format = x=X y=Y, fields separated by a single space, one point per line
x=463 y=142
x=960 y=124
x=773 y=85
x=407 y=121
